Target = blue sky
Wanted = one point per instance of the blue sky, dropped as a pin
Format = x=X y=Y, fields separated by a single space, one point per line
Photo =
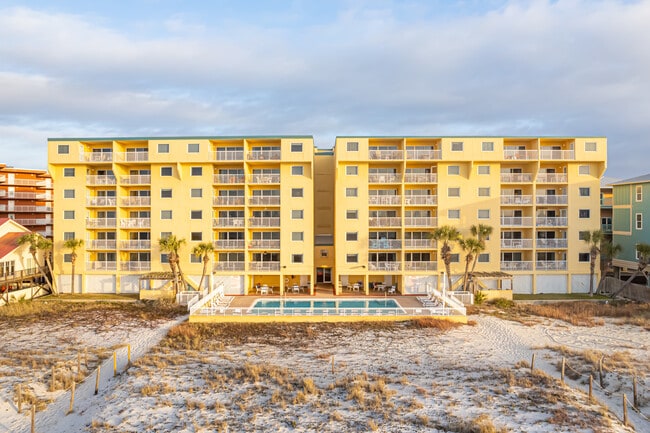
x=325 y=68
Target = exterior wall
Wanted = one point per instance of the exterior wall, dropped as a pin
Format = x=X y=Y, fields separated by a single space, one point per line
x=26 y=196
x=625 y=210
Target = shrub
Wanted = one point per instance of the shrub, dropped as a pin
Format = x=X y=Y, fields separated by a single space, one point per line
x=479 y=298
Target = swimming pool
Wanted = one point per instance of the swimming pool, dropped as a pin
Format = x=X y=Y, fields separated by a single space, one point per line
x=325 y=306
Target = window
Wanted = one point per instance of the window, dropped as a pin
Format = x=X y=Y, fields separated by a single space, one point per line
x=457 y=146
x=455 y=258
x=296 y=192
x=484 y=257
x=67 y=258
x=63 y=149
x=583 y=257
x=193 y=148
x=197 y=171
x=453 y=192
x=164 y=258
x=68 y=235
x=196 y=192
x=639 y=221
x=165 y=193
x=165 y=171
x=196 y=236
x=296 y=170
x=352 y=214
x=483 y=169
x=165 y=214
x=324 y=253
x=585 y=192
x=196 y=214
x=351 y=236
x=639 y=193
x=352 y=170
x=68 y=214
x=590 y=146
x=195 y=258
x=484 y=192
x=165 y=235
x=352 y=258
x=453 y=170
x=296 y=147
x=68 y=172
x=582 y=235
x=583 y=213
x=297 y=236
x=296 y=258
x=483 y=214
x=297 y=214
x=163 y=148
x=453 y=214
x=487 y=146
x=68 y=193
x=583 y=169
x=353 y=146
x=351 y=192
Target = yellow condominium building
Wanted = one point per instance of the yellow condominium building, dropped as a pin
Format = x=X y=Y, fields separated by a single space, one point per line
x=282 y=214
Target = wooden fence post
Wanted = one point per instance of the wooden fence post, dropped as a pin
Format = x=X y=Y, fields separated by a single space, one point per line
x=33 y=417
x=600 y=371
x=532 y=364
x=71 y=397
x=563 y=365
x=634 y=396
x=115 y=363
x=591 y=388
x=128 y=353
x=20 y=398
x=53 y=378
x=624 y=410
x=78 y=363
x=332 y=364
x=99 y=368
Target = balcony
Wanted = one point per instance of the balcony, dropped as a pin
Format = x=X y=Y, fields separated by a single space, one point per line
x=135 y=223
x=264 y=266
x=516 y=244
x=606 y=228
x=96 y=156
x=420 y=177
x=101 y=223
x=555 y=265
x=229 y=155
x=424 y=154
x=3 y=178
x=551 y=178
x=556 y=154
x=551 y=243
x=420 y=243
x=550 y=221
x=385 y=178
x=26 y=195
x=101 y=201
x=229 y=178
x=136 y=180
x=385 y=244
x=229 y=244
x=264 y=155
x=141 y=201
x=100 y=180
x=385 y=222
x=33 y=221
x=264 y=244
x=420 y=266
x=516 y=221
x=385 y=200
x=516 y=200
x=27 y=182
x=516 y=266
x=384 y=266
x=135 y=266
x=519 y=154
x=552 y=199
x=228 y=222
x=516 y=177
x=33 y=209
x=606 y=201
x=264 y=201
x=420 y=222
x=264 y=222
x=229 y=266
x=264 y=178
x=385 y=154
x=101 y=266
x=131 y=156
x=422 y=200
x=135 y=245
x=101 y=244
x=228 y=201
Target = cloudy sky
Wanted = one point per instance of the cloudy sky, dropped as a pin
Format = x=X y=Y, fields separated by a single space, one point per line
x=325 y=68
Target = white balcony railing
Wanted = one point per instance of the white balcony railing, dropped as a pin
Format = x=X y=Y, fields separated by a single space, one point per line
x=385 y=200
x=99 y=223
x=131 y=156
x=101 y=244
x=516 y=221
x=516 y=199
x=135 y=201
x=229 y=266
x=264 y=155
x=384 y=244
x=385 y=221
x=27 y=182
x=420 y=266
x=552 y=178
x=411 y=200
x=264 y=222
x=228 y=201
x=26 y=195
x=516 y=177
x=519 y=154
x=96 y=156
x=135 y=245
x=420 y=243
x=229 y=178
x=516 y=244
x=100 y=180
x=388 y=154
x=420 y=221
x=516 y=266
x=548 y=265
x=384 y=266
x=420 y=177
x=135 y=266
x=262 y=244
x=551 y=243
x=101 y=266
x=34 y=209
x=551 y=199
x=228 y=222
x=142 y=179
x=101 y=201
x=264 y=266
x=423 y=154
x=264 y=200
x=229 y=155
x=264 y=178
x=385 y=178
x=229 y=244
x=556 y=154
x=135 y=223
x=33 y=221
x=550 y=221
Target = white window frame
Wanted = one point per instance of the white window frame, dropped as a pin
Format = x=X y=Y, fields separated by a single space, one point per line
x=591 y=146
x=297 y=192
x=68 y=214
x=194 y=190
x=489 y=145
x=296 y=147
x=585 y=189
x=352 y=146
x=352 y=192
x=638 y=193
x=352 y=170
x=191 y=147
x=457 y=144
x=453 y=189
x=484 y=189
x=297 y=170
x=171 y=171
x=68 y=193
x=298 y=236
x=163 y=213
x=454 y=211
x=453 y=168
x=584 y=170
x=163 y=147
x=294 y=214
x=638 y=221
x=478 y=214
x=348 y=235
x=63 y=149
x=485 y=167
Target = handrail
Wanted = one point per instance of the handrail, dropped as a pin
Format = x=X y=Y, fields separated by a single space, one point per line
x=218 y=291
x=275 y=312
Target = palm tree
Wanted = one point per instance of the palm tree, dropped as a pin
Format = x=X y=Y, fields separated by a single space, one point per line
x=594 y=239
x=481 y=232
x=472 y=247
x=205 y=250
x=608 y=251
x=72 y=245
x=447 y=235
x=36 y=243
x=643 y=252
x=171 y=245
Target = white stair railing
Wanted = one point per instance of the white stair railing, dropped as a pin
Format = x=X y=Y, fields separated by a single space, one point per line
x=198 y=304
x=451 y=302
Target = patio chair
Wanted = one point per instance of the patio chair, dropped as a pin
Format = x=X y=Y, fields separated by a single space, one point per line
x=391 y=290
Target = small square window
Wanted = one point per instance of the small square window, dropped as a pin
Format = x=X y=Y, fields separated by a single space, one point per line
x=453 y=214
x=352 y=258
x=484 y=214
x=353 y=146
x=196 y=192
x=296 y=170
x=196 y=214
x=324 y=253
x=352 y=214
x=484 y=258
x=352 y=170
x=483 y=169
x=590 y=146
x=583 y=169
x=584 y=213
x=165 y=214
x=297 y=214
x=639 y=221
x=582 y=235
x=68 y=193
x=165 y=235
x=585 y=191
x=197 y=171
x=351 y=192
x=68 y=172
x=457 y=146
x=484 y=191
x=639 y=193
x=196 y=236
x=68 y=214
x=67 y=258
x=165 y=193
x=455 y=258
x=195 y=258
x=296 y=258
x=63 y=149
x=453 y=192
x=453 y=170
x=296 y=192
x=68 y=235
x=165 y=171
x=164 y=258
x=297 y=236
x=351 y=236
x=193 y=148
x=296 y=147
x=584 y=257
x=487 y=146
x=163 y=148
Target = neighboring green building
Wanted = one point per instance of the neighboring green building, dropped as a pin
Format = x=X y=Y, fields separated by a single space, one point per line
x=630 y=219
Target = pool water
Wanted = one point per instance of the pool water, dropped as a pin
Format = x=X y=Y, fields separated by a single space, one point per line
x=261 y=304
